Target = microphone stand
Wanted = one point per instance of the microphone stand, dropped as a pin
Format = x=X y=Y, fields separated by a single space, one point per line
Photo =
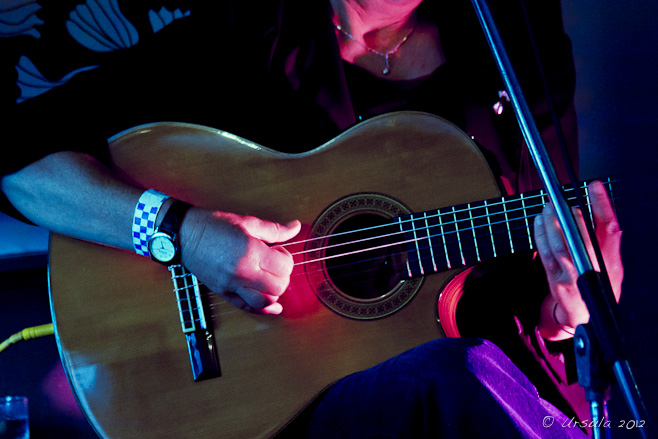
x=599 y=346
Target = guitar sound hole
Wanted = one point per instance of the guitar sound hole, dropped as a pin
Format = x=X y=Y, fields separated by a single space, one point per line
x=369 y=261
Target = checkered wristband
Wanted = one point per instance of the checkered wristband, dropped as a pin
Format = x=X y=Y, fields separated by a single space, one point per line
x=146 y=212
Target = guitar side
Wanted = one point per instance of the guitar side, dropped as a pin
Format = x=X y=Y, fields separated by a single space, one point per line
x=115 y=314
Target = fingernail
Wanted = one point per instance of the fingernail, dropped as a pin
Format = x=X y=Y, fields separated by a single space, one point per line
x=600 y=188
x=275 y=309
x=292 y=224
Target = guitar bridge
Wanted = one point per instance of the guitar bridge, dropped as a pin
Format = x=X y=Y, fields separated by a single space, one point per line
x=196 y=323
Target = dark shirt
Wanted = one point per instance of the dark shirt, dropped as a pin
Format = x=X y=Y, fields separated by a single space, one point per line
x=281 y=71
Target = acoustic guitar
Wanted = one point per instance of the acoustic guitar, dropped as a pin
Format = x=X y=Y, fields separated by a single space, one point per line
x=392 y=210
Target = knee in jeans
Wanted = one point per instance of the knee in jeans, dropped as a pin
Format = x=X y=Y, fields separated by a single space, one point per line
x=452 y=359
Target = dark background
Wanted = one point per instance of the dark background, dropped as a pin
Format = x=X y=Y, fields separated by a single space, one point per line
x=616 y=53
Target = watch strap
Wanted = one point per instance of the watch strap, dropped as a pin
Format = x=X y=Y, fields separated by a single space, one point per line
x=146 y=212
x=174 y=218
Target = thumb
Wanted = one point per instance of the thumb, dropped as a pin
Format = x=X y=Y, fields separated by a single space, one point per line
x=271 y=232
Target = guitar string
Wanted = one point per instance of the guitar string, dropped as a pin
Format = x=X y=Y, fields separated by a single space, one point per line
x=441 y=224
x=452 y=255
x=444 y=224
x=366 y=229
x=212 y=295
x=439 y=214
x=449 y=223
x=515 y=198
x=215 y=302
x=449 y=243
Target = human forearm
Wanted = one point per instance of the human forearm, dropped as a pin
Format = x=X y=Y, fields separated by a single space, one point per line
x=75 y=195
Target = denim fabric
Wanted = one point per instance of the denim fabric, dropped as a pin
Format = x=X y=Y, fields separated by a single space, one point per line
x=448 y=388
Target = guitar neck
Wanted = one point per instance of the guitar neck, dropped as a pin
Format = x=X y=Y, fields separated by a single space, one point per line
x=456 y=236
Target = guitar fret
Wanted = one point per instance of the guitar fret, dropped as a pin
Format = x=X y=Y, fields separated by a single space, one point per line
x=610 y=195
x=588 y=203
x=482 y=234
x=509 y=232
x=443 y=238
x=527 y=224
x=459 y=238
x=491 y=234
x=476 y=231
x=475 y=240
x=409 y=273
x=420 y=260
x=416 y=230
x=429 y=241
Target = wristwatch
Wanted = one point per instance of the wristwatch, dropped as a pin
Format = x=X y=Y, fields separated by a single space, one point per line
x=163 y=244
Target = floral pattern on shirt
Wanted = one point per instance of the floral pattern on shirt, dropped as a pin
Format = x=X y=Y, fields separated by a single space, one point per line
x=49 y=42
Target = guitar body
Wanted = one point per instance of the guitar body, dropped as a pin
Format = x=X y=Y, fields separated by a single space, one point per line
x=116 y=318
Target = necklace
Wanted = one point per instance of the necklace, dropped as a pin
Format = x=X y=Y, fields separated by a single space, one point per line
x=384 y=55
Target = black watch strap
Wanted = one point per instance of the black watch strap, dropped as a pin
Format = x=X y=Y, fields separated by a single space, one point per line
x=174 y=218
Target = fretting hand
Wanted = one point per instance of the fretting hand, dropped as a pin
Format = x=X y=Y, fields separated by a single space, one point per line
x=564 y=309
x=230 y=254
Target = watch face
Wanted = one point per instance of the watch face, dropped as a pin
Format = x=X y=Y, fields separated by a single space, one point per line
x=162 y=248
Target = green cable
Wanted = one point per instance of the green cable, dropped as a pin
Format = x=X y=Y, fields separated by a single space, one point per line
x=28 y=334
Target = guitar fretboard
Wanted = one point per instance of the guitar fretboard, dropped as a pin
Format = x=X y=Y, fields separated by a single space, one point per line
x=456 y=236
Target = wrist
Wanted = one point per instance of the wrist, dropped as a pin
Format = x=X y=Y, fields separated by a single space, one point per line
x=163 y=211
x=156 y=227
x=164 y=245
x=147 y=210
x=191 y=230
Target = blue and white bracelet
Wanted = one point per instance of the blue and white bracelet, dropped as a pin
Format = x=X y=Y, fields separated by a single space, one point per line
x=146 y=212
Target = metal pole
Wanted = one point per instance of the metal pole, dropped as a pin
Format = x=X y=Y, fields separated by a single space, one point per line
x=596 y=293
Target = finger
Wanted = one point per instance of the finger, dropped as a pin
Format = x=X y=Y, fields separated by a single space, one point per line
x=277 y=261
x=604 y=214
x=554 y=235
x=565 y=270
x=608 y=232
x=237 y=301
x=267 y=231
x=274 y=309
x=271 y=232
x=255 y=301
x=270 y=284
x=541 y=241
x=264 y=269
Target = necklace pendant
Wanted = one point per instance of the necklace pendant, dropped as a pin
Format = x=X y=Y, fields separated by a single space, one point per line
x=386 y=55
x=388 y=64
